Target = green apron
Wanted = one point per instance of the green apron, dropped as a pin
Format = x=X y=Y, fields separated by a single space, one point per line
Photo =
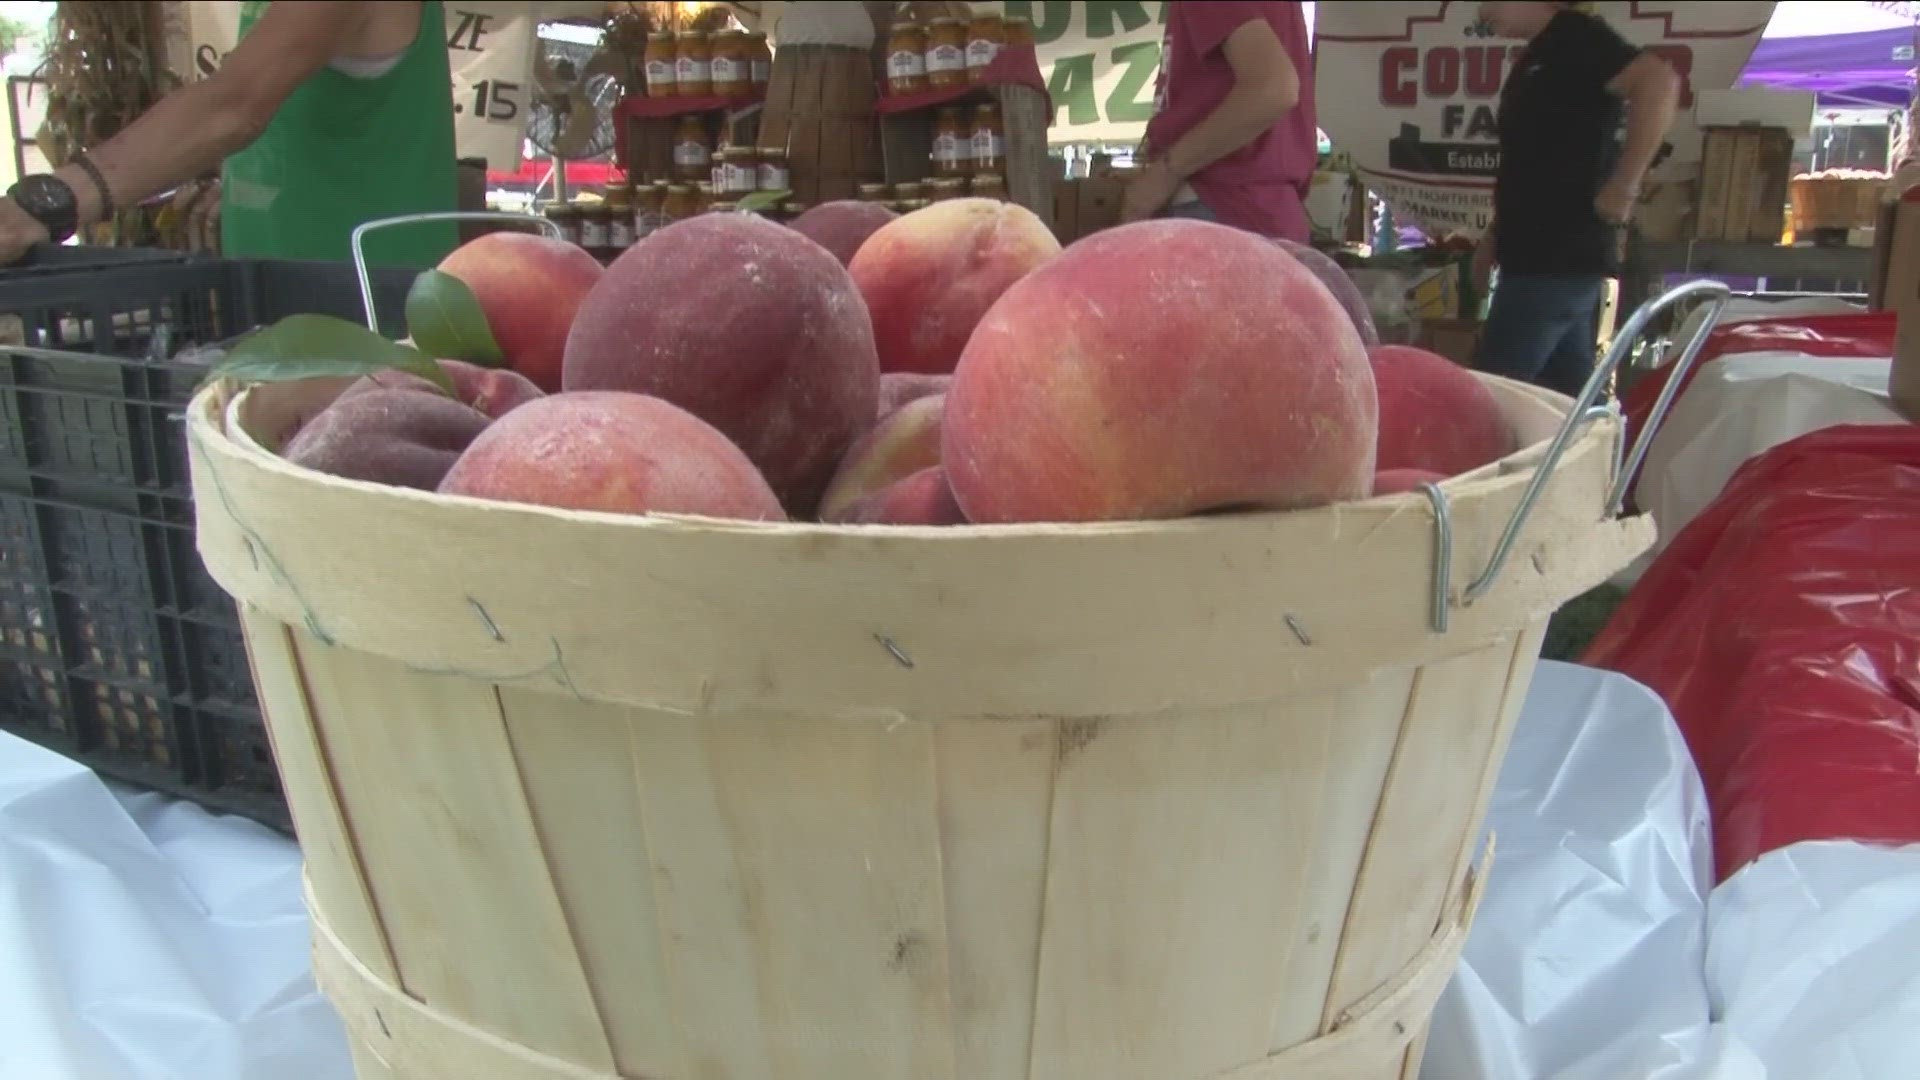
x=342 y=151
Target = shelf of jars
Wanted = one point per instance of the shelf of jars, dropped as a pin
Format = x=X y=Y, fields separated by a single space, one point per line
x=702 y=93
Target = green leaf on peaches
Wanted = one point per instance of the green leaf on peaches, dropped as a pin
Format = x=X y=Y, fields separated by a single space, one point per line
x=312 y=346
x=760 y=200
x=444 y=318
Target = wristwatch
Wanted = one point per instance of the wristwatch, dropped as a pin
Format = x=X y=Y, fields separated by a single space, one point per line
x=47 y=199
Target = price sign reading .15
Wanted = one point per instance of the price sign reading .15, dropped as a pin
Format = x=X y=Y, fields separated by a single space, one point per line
x=496 y=99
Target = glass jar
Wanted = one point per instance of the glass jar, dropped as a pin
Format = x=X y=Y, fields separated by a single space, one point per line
x=593 y=225
x=1018 y=32
x=681 y=203
x=906 y=58
x=619 y=220
x=951 y=146
x=647 y=205
x=693 y=64
x=566 y=218
x=874 y=193
x=759 y=62
x=946 y=187
x=908 y=206
x=985 y=35
x=692 y=151
x=791 y=209
x=988 y=186
x=724 y=206
x=730 y=69
x=774 y=174
x=910 y=189
x=898 y=206
x=946 y=54
x=987 y=141
x=702 y=197
x=742 y=173
x=659 y=65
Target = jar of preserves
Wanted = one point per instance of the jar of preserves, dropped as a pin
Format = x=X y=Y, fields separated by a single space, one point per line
x=594 y=225
x=619 y=220
x=946 y=54
x=774 y=174
x=702 y=197
x=724 y=206
x=906 y=58
x=1017 y=32
x=647 y=203
x=985 y=35
x=692 y=151
x=759 y=62
x=681 y=203
x=898 y=206
x=908 y=206
x=874 y=193
x=987 y=140
x=742 y=176
x=951 y=146
x=566 y=218
x=730 y=68
x=658 y=64
x=693 y=64
x=946 y=187
x=790 y=209
x=910 y=189
x=988 y=186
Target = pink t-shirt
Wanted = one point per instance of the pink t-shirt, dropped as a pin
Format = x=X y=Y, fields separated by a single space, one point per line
x=1260 y=186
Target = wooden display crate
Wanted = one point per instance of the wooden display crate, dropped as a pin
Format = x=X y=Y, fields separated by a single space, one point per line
x=1743 y=184
x=906 y=131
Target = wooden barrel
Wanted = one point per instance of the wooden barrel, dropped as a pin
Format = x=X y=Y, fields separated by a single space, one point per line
x=819 y=109
x=586 y=796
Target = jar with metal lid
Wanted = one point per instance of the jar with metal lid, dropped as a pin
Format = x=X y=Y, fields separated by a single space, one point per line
x=730 y=68
x=759 y=62
x=742 y=173
x=985 y=35
x=1018 y=32
x=987 y=142
x=774 y=174
x=946 y=53
x=910 y=189
x=724 y=206
x=951 y=148
x=906 y=58
x=647 y=210
x=791 y=209
x=946 y=187
x=693 y=64
x=908 y=206
x=702 y=197
x=898 y=206
x=681 y=203
x=594 y=225
x=619 y=220
x=567 y=218
x=692 y=150
x=874 y=193
x=988 y=186
x=658 y=64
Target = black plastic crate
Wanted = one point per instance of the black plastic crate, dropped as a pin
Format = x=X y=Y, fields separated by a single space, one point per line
x=116 y=645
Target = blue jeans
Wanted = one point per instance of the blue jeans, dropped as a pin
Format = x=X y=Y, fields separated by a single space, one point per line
x=1195 y=209
x=1541 y=329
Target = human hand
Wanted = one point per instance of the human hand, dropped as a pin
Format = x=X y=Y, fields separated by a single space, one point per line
x=1150 y=189
x=19 y=232
x=1615 y=201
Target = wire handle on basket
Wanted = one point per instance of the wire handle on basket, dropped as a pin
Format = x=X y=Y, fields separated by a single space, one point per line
x=365 y=277
x=1584 y=410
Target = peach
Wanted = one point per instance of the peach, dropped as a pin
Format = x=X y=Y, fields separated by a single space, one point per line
x=899 y=387
x=529 y=288
x=1157 y=370
x=903 y=443
x=387 y=436
x=842 y=226
x=931 y=275
x=1394 y=481
x=493 y=391
x=747 y=325
x=616 y=452
x=923 y=498
x=1434 y=414
x=1335 y=278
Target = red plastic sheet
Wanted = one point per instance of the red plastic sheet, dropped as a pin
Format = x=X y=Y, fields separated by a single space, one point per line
x=1782 y=627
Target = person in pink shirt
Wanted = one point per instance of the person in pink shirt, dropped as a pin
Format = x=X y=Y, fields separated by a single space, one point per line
x=1233 y=136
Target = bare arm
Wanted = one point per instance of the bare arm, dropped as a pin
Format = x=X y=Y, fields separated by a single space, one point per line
x=190 y=131
x=1652 y=91
x=1266 y=86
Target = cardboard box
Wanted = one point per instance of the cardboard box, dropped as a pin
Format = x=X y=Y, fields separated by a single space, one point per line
x=1896 y=287
x=1086 y=205
x=1456 y=339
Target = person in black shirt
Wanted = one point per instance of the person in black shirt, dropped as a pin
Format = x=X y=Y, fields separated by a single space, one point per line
x=1566 y=185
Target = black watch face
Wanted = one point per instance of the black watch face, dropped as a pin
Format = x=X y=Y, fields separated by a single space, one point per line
x=50 y=201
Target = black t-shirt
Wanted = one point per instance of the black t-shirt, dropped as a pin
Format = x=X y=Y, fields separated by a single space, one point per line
x=1559 y=137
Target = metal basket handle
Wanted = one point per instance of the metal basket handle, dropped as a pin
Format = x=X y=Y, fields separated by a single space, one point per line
x=365 y=278
x=1583 y=412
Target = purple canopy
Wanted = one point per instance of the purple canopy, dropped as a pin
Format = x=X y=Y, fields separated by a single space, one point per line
x=1865 y=69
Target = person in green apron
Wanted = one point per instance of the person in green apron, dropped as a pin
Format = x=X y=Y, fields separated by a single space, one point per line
x=326 y=114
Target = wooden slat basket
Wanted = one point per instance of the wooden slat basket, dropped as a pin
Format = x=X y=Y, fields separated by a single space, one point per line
x=586 y=796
